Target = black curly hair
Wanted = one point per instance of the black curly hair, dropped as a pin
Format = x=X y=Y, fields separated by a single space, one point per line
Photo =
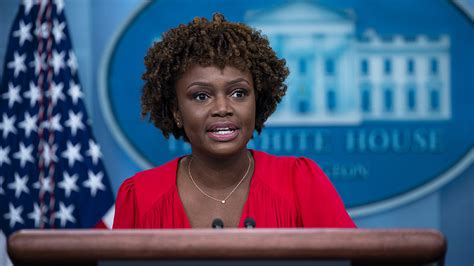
x=219 y=43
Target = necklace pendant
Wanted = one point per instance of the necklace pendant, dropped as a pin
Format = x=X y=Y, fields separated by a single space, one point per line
x=223 y=201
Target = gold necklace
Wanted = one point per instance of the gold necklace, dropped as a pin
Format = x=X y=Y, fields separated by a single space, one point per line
x=223 y=201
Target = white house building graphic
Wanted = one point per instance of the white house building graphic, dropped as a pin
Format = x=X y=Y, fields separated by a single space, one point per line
x=340 y=78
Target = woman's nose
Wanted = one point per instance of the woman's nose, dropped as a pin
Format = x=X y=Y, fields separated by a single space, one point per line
x=222 y=106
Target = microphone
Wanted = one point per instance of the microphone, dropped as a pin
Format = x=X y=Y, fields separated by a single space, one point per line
x=249 y=223
x=217 y=224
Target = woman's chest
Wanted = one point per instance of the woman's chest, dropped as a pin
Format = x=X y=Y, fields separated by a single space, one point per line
x=201 y=210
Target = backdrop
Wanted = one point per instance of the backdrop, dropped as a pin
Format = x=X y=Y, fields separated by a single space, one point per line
x=380 y=95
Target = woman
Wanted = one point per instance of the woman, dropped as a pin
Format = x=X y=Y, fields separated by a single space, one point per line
x=214 y=83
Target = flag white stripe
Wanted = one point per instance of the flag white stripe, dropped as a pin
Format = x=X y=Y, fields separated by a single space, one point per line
x=108 y=218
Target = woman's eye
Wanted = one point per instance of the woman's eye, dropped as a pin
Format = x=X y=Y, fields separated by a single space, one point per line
x=239 y=93
x=200 y=96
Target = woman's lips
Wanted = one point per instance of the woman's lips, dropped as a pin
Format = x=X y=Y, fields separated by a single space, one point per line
x=223 y=134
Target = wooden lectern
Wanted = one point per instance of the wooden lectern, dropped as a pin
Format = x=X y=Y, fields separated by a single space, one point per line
x=356 y=246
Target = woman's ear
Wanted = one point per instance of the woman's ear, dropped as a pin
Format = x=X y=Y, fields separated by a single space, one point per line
x=177 y=118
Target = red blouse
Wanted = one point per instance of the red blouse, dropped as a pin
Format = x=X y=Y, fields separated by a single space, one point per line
x=284 y=192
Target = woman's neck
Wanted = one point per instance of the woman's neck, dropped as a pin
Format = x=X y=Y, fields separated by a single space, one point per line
x=219 y=173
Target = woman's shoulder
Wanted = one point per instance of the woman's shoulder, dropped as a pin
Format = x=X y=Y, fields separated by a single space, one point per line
x=142 y=192
x=268 y=159
x=277 y=163
x=280 y=172
x=152 y=182
x=164 y=174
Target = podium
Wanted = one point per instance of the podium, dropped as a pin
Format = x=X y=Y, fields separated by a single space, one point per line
x=236 y=246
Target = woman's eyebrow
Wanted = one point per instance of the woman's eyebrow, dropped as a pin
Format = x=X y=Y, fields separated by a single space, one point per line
x=199 y=83
x=206 y=84
x=237 y=81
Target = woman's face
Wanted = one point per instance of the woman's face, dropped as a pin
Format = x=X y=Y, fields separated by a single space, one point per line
x=216 y=108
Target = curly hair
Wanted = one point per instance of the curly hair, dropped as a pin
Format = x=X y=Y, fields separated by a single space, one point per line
x=219 y=43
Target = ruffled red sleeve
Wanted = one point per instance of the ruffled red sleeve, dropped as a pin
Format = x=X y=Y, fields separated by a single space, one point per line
x=318 y=201
x=126 y=209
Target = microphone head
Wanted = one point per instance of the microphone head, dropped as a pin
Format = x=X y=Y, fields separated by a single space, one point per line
x=249 y=223
x=217 y=224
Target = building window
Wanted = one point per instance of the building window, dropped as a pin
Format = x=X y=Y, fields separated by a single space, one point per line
x=410 y=67
x=331 y=100
x=303 y=103
x=302 y=67
x=388 y=100
x=329 y=67
x=303 y=106
x=434 y=100
x=387 y=67
x=434 y=66
x=366 y=98
x=411 y=99
x=364 y=67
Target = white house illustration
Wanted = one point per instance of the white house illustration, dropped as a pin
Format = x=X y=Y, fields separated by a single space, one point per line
x=340 y=78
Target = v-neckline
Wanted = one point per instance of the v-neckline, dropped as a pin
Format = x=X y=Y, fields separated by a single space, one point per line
x=245 y=209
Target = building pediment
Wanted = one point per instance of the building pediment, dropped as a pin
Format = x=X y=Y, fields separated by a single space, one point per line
x=298 y=13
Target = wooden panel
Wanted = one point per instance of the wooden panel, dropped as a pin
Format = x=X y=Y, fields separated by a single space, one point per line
x=359 y=245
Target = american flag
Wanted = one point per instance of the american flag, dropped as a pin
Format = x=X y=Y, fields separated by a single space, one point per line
x=51 y=173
